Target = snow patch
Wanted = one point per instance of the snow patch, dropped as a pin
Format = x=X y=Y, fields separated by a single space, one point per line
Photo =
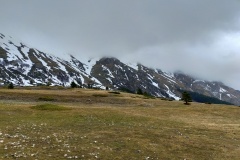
x=169 y=75
x=137 y=77
x=126 y=76
x=221 y=90
x=155 y=84
x=171 y=94
x=133 y=65
x=44 y=63
x=195 y=81
x=109 y=72
x=150 y=76
x=169 y=79
x=89 y=65
x=109 y=79
x=117 y=66
x=62 y=67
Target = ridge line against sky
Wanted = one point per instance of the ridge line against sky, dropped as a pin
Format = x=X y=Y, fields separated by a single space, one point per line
x=200 y=38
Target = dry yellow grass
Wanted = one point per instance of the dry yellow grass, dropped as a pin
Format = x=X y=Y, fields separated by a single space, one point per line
x=103 y=125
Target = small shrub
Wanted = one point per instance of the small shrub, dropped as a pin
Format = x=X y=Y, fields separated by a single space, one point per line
x=139 y=91
x=73 y=84
x=10 y=86
x=49 y=107
x=96 y=88
x=90 y=85
x=164 y=99
x=123 y=89
x=31 y=81
x=48 y=83
x=148 y=95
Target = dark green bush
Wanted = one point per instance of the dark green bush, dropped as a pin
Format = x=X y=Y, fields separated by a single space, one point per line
x=10 y=86
x=73 y=84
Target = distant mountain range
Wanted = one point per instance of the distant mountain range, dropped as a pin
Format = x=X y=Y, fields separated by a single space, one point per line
x=25 y=66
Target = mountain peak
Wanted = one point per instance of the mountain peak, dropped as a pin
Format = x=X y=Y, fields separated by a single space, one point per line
x=25 y=66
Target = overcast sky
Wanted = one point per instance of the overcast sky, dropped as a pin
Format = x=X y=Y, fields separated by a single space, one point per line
x=198 y=37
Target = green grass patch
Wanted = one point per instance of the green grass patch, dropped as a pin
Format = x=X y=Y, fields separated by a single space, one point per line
x=50 y=107
x=46 y=99
x=100 y=95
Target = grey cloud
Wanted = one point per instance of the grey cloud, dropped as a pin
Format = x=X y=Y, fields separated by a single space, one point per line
x=169 y=34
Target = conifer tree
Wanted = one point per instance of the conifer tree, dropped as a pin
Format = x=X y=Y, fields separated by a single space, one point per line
x=186 y=97
x=73 y=84
x=139 y=91
x=10 y=86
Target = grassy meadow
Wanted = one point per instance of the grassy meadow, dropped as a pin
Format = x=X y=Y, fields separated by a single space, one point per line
x=58 y=123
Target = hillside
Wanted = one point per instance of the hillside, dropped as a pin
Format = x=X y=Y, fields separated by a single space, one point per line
x=59 y=123
x=25 y=66
x=196 y=97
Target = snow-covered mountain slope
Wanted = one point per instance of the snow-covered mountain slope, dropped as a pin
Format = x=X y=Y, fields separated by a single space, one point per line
x=27 y=66
x=111 y=72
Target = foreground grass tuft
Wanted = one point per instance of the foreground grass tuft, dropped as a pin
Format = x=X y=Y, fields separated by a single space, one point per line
x=50 y=107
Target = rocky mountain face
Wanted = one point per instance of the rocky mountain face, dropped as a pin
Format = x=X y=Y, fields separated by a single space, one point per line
x=26 y=66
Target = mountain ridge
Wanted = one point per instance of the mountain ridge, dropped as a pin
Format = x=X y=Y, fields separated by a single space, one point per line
x=27 y=66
